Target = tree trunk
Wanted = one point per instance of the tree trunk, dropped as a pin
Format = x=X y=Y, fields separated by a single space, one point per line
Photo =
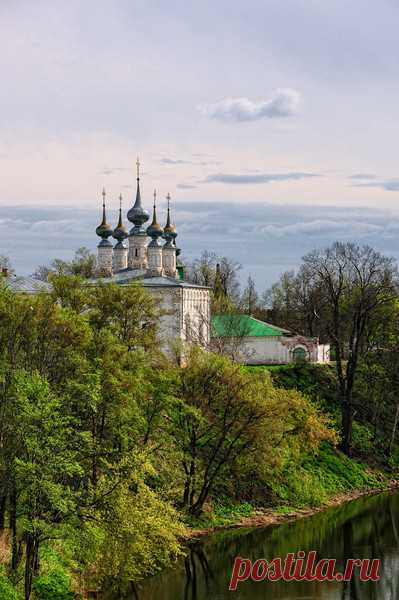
x=13 y=527
x=196 y=508
x=31 y=563
x=393 y=435
x=188 y=490
x=347 y=422
x=3 y=500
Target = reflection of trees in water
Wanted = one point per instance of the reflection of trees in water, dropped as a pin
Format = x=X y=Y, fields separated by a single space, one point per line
x=388 y=586
x=365 y=528
x=119 y=590
x=197 y=555
x=374 y=537
x=350 y=588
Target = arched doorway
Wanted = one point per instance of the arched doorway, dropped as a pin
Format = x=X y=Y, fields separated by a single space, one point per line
x=300 y=354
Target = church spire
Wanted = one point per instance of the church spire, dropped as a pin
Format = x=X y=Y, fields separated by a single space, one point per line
x=104 y=230
x=169 y=249
x=138 y=195
x=137 y=215
x=120 y=250
x=169 y=230
x=105 y=250
x=154 y=230
x=154 y=249
x=120 y=232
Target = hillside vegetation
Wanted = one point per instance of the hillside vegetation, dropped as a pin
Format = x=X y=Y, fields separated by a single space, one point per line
x=110 y=451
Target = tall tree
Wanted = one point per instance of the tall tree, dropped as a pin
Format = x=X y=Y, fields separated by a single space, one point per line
x=354 y=283
x=249 y=299
x=209 y=267
x=293 y=303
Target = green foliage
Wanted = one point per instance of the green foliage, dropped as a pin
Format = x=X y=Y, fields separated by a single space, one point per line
x=145 y=538
x=226 y=512
x=54 y=586
x=7 y=590
x=319 y=477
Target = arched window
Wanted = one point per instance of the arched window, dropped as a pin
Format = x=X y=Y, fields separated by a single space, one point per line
x=300 y=354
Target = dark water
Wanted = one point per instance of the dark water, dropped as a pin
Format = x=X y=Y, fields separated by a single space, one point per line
x=364 y=528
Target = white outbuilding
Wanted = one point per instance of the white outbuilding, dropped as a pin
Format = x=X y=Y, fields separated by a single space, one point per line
x=255 y=342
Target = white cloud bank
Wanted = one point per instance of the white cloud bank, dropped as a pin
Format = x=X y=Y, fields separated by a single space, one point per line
x=284 y=102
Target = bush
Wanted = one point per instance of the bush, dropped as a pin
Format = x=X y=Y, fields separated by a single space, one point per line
x=319 y=477
x=54 y=586
x=7 y=590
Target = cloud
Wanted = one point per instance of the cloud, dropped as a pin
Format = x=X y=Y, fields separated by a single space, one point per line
x=111 y=170
x=175 y=161
x=185 y=186
x=256 y=179
x=319 y=227
x=389 y=185
x=361 y=176
x=179 y=161
x=260 y=223
x=284 y=102
x=275 y=235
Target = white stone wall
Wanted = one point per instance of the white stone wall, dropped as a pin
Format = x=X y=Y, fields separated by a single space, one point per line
x=137 y=258
x=120 y=258
x=169 y=261
x=105 y=260
x=154 y=254
x=196 y=316
x=279 y=350
x=323 y=353
x=186 y=314
x=169 y=301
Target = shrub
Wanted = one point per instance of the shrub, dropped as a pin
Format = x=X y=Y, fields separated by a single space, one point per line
x=54 y=586
x=7 y=591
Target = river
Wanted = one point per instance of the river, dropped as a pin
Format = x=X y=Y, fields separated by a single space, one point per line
x=364 y=528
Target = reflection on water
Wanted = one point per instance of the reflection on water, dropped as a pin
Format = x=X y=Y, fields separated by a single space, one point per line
x=364 y=528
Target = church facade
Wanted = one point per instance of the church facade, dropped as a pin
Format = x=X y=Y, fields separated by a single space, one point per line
x=148 y=254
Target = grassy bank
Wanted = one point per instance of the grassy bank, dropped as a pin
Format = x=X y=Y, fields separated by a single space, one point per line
x=319 y=480
x=328 y=480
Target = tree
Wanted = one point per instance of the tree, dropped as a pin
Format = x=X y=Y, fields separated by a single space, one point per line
x=293 y=303
x=216 y=420
x=131 y=550
x=377 y=386
x=353 y=285
x=128 y=311
x=220 y=274
x=5 y=263
x=224 y=415
x=250 y=298
x=84 y=264
x=45 y=468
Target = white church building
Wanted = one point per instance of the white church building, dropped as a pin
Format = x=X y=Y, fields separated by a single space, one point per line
x=149 y=255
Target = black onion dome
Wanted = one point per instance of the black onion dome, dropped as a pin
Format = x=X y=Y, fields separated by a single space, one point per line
x=104 y=230
x=154 y=230
x=137 y=214
x=120 y=232
x=169 y=232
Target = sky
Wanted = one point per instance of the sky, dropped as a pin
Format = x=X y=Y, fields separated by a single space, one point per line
x=272 y=123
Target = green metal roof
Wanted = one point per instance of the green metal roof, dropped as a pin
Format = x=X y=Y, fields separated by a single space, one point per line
x=243 y=325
